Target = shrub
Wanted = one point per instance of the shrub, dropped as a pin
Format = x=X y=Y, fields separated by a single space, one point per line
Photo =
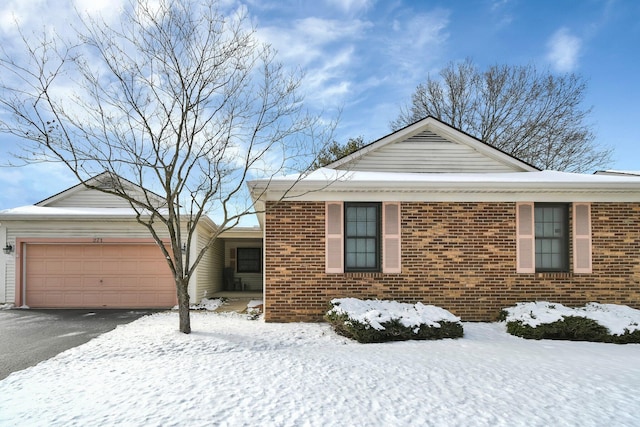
x=569 y=328
x=594 y=322
x=374 y=321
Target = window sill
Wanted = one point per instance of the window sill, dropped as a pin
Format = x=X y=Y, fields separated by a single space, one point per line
x=554 y=275
x=362 y=273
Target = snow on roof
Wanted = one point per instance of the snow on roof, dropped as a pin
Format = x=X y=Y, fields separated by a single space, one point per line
x=63 y=212
x=326 y=174
x=550 y=186
x=618 y=172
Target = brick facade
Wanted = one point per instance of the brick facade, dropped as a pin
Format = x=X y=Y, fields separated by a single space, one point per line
x=459 y=256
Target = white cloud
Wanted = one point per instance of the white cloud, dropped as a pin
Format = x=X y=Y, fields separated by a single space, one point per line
x=351 y=6
x=22 y=12
x=109 y=10
x=325 y=49
x=412 y=55
x=325 y=81
x=308 y=39
x=428 y=29
x=564 y=50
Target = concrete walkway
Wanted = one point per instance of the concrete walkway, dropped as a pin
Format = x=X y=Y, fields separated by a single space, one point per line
x=236 y=301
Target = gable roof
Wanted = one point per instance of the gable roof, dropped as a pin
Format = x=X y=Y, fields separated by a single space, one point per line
x=81 y=203
x=430 y=146
x=81 y=196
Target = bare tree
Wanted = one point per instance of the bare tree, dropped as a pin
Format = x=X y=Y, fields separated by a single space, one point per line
x=534 y=116
x=176 y=98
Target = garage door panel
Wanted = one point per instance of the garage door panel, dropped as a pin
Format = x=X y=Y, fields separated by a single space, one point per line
x=69 y=251
x=77 y=299
x=86 y=267
x=97 y=276
x=128 y=266
x=112 y=250
x=55 y=267
x=92 y=251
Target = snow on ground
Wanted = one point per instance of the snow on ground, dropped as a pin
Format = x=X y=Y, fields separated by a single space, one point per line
x=232 y=371
x=206 y=304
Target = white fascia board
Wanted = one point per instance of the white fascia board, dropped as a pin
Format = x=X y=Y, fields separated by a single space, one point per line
x=208 y=224
x=242 y=233
x=468 y=196
x=551 y=186
x=462 y=195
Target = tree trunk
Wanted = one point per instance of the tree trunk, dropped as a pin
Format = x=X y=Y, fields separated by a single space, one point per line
x=183 y=305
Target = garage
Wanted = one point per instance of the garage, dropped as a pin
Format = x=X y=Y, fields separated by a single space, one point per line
x=59 y=275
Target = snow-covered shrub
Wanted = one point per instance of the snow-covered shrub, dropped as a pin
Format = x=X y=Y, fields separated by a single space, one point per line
x=370 y=321
x=594 y=322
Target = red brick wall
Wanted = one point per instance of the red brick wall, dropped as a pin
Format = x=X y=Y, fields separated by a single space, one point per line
x=459 y=256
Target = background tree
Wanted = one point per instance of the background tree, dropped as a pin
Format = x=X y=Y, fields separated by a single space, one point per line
x=537 y=117
x=175 y=97
x=334 y=151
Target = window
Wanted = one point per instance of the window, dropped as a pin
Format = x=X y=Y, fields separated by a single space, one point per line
x=362 y=236
x=552 y=237
x=249 y=260
x=543 y=233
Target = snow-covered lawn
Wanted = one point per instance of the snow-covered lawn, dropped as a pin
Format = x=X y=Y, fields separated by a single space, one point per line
x=232 y=372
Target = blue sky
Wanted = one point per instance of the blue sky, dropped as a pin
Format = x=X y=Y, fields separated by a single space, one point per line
x=366 y=57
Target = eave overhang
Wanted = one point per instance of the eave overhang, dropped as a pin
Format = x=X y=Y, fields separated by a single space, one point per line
x=520 y=186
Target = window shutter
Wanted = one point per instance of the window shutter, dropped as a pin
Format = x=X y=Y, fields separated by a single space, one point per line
x=391 y=234
x=525 y=238
x=334 y=247
x=582 y=238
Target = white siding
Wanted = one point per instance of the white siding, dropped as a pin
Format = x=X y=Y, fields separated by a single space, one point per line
x=209 y=272
x=5 y=296
x=87 y=198
x=426 y=152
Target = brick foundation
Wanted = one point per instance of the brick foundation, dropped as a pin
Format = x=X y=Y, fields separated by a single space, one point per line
x=459 y=256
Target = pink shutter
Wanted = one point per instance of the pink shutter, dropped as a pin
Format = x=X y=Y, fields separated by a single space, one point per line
x=391 y=250
x=334 y=247
x=525 y=238
x=582 y=238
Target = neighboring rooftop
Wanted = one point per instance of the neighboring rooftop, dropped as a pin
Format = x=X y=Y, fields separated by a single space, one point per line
x=618 y=173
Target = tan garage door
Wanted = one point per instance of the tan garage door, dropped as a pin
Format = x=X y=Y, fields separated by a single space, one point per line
x=97 y=276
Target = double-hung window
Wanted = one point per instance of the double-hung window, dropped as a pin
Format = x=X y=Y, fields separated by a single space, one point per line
x=362 y=236
x=552 y=237
x=545 y=232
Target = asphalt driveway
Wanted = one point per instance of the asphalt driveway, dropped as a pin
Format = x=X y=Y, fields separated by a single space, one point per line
x=28 y=337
